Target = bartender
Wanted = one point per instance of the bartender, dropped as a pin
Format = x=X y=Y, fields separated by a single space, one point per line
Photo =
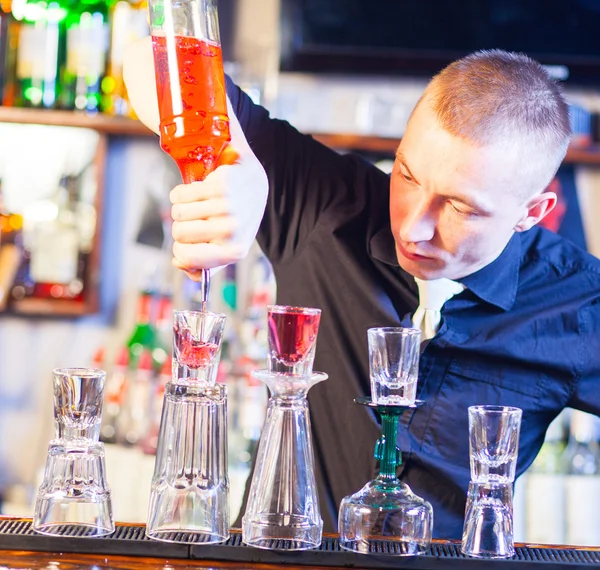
x=510 y=312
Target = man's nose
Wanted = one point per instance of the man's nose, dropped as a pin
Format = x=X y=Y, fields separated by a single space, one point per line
x=419 y=223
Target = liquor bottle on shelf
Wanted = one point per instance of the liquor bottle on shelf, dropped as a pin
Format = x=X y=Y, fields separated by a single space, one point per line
x=545 y=489
x=128 y=22
x=86 y=45
x=10 y=249
x=54 y=265
x=582 y=481
x=9 y=35
x=40 y=53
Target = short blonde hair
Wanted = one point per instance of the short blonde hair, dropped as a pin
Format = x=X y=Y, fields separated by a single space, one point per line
x=495 y=96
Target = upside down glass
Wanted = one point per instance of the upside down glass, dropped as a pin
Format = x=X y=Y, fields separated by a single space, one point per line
x=74 y=489
x=283 y=506
x=189 y=499
x=385 y=515
x=488 y=527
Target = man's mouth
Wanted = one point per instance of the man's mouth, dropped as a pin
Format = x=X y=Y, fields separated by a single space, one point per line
x=414 y=256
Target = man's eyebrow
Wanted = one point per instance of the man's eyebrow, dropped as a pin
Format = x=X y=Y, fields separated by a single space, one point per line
x=400 y=158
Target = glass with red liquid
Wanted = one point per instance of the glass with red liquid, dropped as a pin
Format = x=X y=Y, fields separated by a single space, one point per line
x=197 y=337
x=190 y=85
x=292 y=333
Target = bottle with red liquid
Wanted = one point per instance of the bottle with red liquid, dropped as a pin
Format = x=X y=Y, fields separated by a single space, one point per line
x=190 y=84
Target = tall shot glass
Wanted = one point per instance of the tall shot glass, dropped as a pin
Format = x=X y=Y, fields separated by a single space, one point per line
x=74 y=491
x=494 y=443
x=292 y=337
x=394 y=365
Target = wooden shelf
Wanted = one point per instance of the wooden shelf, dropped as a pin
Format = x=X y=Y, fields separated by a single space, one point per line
x=107 y=124
x=131 y=127
x=575 y=154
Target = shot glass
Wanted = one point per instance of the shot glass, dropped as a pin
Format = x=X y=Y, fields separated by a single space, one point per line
x=394 y=365
x=494 y=443
x=197 y=337
x=488 y=527
x=292 y=339
x=74 y=491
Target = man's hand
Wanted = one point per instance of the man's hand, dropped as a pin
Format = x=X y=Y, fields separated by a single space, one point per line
x=214 y=221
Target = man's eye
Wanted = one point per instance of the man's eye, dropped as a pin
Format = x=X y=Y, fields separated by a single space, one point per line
x=460 y=210
x=406 y=176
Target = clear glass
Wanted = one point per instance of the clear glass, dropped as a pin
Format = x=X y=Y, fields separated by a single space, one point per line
x=189 y=499
x=197 y=340
x=394 y=365
x=74 y=489
x=494 y=443
x=488 y=527
x=385 y=515
x=292 y=335
x=283 y=504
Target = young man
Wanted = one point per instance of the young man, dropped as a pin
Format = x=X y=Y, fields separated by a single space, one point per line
x=462 y=203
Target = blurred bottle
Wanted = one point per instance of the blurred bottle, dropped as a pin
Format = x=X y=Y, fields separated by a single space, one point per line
x=10 y=250
x=87 y=47
x=143 y=336
x=582 y=481
x=40 y=53
x=139 y=402
x=9 y=36
x=164 y=321
x=54 y=264
x=150 y=441
x=115 y=394
x=545 y=489
x=128 y=22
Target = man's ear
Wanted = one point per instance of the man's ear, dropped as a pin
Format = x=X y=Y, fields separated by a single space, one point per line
x=538 y=208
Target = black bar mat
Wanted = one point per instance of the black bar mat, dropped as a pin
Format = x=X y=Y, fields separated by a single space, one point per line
x=129 y=540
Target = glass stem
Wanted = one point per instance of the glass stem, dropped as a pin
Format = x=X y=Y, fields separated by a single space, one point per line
x=386 y=451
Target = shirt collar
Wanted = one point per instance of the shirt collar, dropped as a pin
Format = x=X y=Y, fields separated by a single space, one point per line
x=496 y=283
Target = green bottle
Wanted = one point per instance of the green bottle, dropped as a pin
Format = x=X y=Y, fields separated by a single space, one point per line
x=40 y=54
x=87 y=47
x=145 y=336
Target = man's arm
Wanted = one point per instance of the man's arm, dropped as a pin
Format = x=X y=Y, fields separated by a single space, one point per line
x=307 y=180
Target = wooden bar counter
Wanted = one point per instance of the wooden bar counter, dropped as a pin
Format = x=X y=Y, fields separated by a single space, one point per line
x=128 y=549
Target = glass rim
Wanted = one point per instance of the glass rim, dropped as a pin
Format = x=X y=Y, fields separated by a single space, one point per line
x=494 y=409
x=404 y=331
x=194 y=312
x=79 y=371
x=293 y=309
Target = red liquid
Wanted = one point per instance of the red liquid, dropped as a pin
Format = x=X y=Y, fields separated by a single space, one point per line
x=195 y=132
x=194 y=353
x=292 y=335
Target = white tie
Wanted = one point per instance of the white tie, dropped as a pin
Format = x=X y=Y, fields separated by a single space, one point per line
x=432 y=296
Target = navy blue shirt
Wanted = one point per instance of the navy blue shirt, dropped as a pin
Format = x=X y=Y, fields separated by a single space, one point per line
x=525 y=332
